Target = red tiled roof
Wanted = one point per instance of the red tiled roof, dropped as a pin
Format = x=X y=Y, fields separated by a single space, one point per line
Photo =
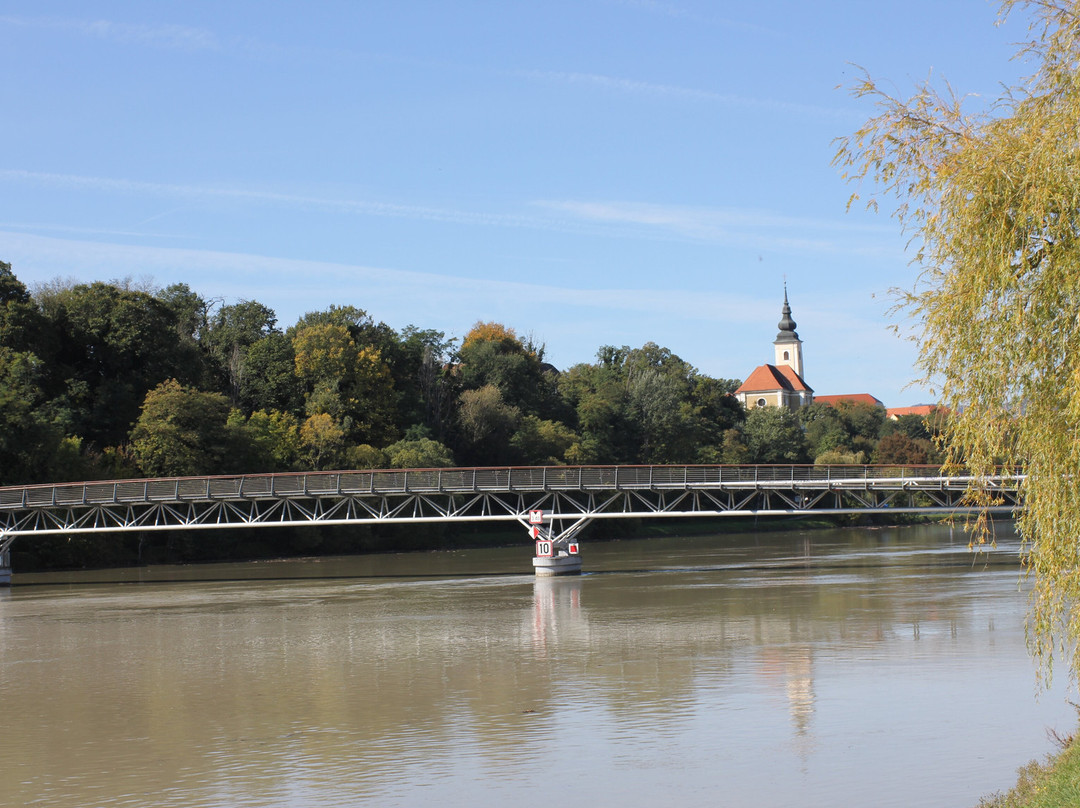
x=918 y=409
x=860 y=398
x=770 y=377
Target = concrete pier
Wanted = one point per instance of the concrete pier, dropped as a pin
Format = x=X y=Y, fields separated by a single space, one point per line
x=5 y=567
x=562 y=564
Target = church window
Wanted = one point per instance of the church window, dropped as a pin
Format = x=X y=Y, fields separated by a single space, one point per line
x=786 y=355
x=761 y=402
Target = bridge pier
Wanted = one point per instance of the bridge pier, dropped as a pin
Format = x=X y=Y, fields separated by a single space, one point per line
x=557 y=552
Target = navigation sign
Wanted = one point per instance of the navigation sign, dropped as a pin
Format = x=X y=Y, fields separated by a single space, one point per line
x=572 y=548
x=544 y=549
x=536 y=517
x=534 y=531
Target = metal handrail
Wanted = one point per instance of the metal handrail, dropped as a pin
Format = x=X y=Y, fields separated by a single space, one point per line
x=382 y=482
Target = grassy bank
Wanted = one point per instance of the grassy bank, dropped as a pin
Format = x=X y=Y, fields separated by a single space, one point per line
x=1054 y=783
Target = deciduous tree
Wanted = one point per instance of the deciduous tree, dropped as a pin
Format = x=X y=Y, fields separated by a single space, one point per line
x=991 y=199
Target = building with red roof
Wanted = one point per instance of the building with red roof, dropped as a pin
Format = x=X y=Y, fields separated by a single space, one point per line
x=781 y=384
x=919 y=409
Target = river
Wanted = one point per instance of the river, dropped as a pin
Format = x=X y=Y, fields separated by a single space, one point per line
x=852 y=667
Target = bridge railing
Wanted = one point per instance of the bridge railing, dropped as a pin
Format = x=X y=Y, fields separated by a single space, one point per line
x=449 y=481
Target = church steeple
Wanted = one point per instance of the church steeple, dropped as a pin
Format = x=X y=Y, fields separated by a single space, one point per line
x=787 y=343
x=786 y=324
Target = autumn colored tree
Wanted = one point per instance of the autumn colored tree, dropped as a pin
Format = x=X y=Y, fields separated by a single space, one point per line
x=991 y=199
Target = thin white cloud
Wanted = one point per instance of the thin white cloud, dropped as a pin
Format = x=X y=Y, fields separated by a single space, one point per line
x=86 y=231
x=87 y=259
x=363 y=207
x=162 y=35
x=632 y=86
x=758 y=230
x=748 y=227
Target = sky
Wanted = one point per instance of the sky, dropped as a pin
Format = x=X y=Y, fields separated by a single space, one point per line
x=587 y=172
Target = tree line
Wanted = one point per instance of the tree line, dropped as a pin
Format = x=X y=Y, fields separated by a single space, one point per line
x=110 y=380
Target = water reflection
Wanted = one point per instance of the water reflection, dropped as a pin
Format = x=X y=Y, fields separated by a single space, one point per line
x=772 y=669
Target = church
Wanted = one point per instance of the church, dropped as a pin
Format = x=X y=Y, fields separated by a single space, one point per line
x=781 y=384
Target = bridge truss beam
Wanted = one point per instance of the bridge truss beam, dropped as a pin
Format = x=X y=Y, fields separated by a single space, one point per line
x=569 y=497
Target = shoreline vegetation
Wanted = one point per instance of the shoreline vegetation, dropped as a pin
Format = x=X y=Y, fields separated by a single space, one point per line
x=1052 y=783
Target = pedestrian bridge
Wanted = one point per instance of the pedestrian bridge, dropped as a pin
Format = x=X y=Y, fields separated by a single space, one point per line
x=552 y=503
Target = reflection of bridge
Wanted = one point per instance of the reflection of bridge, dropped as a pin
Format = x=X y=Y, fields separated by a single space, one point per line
x=564 y=498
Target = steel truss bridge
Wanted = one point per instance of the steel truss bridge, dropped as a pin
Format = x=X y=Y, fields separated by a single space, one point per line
x=562 y=499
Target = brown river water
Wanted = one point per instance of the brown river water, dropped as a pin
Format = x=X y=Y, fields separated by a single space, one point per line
x=822 y=668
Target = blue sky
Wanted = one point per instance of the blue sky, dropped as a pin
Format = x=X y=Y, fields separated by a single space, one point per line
x=590 y=172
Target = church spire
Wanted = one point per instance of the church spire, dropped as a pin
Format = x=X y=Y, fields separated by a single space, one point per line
x=786 y=324
x=787 y=344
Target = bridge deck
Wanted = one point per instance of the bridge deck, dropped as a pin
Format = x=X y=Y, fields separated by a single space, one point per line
x=565 y=493
x=486 y=480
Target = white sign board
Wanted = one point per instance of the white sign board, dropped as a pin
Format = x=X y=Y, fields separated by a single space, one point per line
x=536 y=517
x=544 y=549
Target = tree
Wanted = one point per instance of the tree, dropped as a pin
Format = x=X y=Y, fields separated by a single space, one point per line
x=774 y=435
x=182 y=432
x=992 y=201
x=423 y=453
x=115 y=344
x=492 y=354
x=324 y=441
x=897 y=448
x=485 y=425
x=230 y=332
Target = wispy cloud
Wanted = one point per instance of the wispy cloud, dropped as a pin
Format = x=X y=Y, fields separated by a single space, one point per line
x=294 y=279
x=207 y=192
x=85 y=231
x=633 y=86
x=746 y=227
x=751 y=229
x=174 y=37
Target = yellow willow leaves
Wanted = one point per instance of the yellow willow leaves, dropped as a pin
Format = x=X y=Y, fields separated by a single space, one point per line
x=992 y=204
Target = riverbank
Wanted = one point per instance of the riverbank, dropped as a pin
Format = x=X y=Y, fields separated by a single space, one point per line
x=1052 y=784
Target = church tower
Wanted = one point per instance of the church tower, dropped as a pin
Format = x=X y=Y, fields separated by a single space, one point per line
x=787 y=343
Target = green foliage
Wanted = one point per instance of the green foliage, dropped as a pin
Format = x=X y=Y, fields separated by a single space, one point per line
x=485 y=425
x=539 y=442
x=840 y=457
x=423 y=453
x=28 y=440
x=366 y=456
x=991 y=200
x=774 y=435
x=228 y=335
x=114 y=345
x=182 y=432
x=1053 y=784
x=268 y=376
x=850 y=427
x=271 y=438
